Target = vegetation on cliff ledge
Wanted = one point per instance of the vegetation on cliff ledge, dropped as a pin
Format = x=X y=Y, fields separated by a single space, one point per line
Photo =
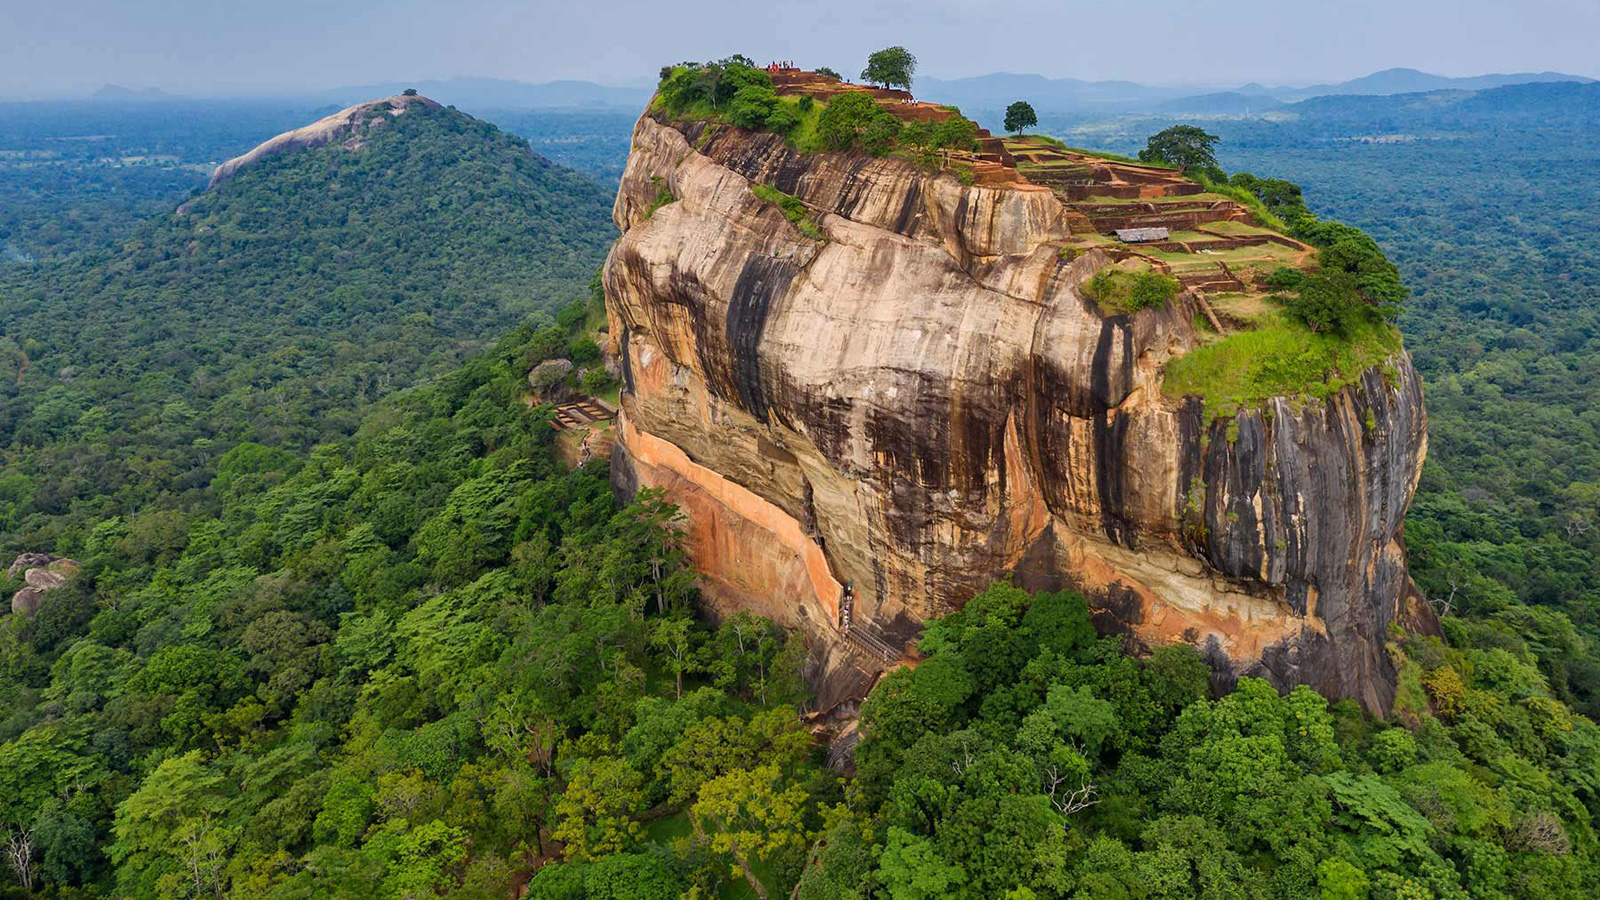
x=1280 y=359
x=1303 y=329
x=735 y=92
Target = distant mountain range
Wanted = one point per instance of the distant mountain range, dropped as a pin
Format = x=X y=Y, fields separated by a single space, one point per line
x=985 y=92
x=976 y=95
x=1407 y=81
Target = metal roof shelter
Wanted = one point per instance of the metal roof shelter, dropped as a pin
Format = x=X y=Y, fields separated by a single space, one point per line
x=1141 y=235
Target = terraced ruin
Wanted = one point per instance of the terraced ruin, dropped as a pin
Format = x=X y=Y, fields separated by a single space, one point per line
x=1210 y=243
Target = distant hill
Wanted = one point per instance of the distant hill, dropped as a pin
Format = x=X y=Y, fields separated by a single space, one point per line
x=1554 y=104
x=276 y=307
x=118 y=93
x=495 y=93
x=1412 y=81
x=1551 y=103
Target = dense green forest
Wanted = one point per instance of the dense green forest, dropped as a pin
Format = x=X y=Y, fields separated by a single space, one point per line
x=427 y=660
x=272 y=309
x=82 y=175
x=346 y=629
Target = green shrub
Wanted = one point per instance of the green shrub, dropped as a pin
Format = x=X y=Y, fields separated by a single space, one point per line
x=1330 y=303
x=1285 y=278
x=1120 y=292
x=583 y=350
x=752 y=105
x=853 y=119
x=881 y=134
x=663 y=196
x=792 y=208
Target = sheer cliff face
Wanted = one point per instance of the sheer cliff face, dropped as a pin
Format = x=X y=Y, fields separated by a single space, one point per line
x=924 y=401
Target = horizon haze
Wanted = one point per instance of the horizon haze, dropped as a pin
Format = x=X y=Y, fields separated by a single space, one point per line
x=70 y=48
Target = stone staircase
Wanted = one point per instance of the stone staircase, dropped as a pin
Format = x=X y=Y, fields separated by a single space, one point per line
x=865 y=637
x=584 y=412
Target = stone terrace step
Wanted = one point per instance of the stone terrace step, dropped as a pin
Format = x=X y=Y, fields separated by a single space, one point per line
x=1177 y=221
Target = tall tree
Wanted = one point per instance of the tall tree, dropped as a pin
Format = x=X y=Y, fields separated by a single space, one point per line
x=1020 y=115
x=890 y=67
x=751 y=816
x=1184 y=146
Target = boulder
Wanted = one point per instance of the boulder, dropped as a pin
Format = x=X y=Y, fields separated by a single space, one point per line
x=43 y=573
x=548 y=380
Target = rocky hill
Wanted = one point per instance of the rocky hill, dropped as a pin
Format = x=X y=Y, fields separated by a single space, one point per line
x=346 y=127
x=871 y=426
x=324 y=270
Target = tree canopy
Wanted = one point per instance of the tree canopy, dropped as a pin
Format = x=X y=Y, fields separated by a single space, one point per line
x=1185 y=146
x=1020 y=116
x=890 y=67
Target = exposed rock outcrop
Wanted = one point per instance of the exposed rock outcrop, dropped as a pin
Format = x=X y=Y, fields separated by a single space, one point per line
x=42 y=573
x=925 y=401
x=346 y=126
x=548 y=380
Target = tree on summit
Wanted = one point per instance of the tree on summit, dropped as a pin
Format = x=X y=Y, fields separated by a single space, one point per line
x=1020 y=115
x=1184 y=146
x=890 y=67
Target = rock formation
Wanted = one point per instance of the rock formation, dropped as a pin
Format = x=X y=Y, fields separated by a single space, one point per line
x=42 y=573
x=346 y=126
x=924 y=401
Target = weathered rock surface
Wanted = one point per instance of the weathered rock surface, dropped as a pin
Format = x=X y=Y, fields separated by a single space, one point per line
x=924 y=402
x=42 y=573
x=346 y=126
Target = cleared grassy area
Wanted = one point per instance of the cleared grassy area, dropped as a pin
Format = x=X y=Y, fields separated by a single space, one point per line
x=1186 y=263
x=1268 y=255
x=1277 y=359
x=1251 y=308
x=1236 y=228
x=665 y=830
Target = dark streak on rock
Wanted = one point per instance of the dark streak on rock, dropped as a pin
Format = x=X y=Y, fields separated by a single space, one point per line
x=1109 y=389
x=627 y=360
x=761 y=280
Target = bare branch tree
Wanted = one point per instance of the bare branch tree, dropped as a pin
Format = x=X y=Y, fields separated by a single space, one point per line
x=19 y=855
x=1068 y=802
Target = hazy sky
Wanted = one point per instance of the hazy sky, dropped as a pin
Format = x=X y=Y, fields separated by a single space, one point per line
x=50 y=47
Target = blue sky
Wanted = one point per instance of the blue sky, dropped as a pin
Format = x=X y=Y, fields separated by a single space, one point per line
x=207 y=47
